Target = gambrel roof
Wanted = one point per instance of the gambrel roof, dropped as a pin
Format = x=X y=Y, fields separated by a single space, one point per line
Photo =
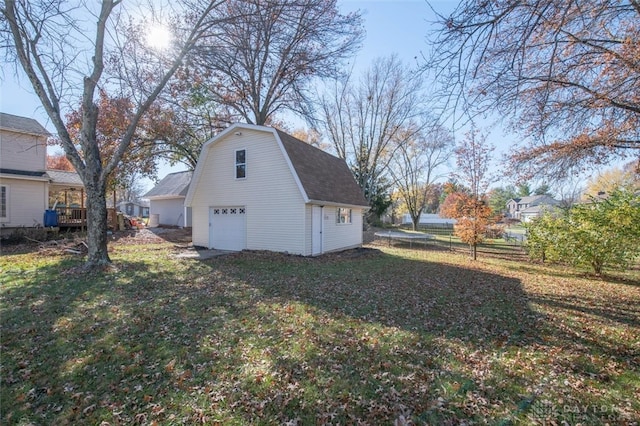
x=322 y=178
x=325 y=178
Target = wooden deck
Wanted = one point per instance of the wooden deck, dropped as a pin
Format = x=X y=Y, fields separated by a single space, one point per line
x=76 y=217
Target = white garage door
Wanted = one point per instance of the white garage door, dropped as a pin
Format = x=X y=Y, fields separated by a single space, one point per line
x=227 y=228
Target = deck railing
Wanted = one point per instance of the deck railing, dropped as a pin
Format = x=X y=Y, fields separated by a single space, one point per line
x=76 y=217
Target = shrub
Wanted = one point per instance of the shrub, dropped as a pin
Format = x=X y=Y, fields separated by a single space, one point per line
x=599 y=234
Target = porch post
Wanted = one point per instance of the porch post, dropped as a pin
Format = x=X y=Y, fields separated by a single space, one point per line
x=83 y=214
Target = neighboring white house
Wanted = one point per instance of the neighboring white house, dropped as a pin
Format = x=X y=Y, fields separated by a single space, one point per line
x=527 y=208
x=24 y=184
x=27 y=188
x=258 y=188
x=166 y=200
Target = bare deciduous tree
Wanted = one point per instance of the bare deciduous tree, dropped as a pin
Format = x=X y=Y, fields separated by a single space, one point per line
x=364 y=120
x=263 y=60
x=565 y=72
x=415 y=163
x=473 y=159
x=65 y=57
x=194 y=118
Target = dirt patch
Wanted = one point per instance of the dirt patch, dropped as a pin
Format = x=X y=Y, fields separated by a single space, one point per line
x=355 y=253
x=76 y=242
x=153 y=236
x=178 y=236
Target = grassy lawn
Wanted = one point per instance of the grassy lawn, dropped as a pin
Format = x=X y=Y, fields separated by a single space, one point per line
x=366 y=337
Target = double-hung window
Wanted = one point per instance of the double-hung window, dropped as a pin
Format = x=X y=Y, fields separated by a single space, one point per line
x=343 y=216
x=241 y=163
x=4 y=201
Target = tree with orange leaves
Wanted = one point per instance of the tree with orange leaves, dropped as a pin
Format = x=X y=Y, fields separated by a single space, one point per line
x=564 y=73
x=112 y=123
x=473 y=216
x=59 y=162
x=470 y=208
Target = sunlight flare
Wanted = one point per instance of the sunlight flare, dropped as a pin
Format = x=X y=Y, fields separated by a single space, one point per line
x=159 y=37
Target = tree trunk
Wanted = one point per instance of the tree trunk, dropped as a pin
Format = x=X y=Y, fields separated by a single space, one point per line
x=475 y=251
x=416 y=222
x=597 y=266
x=97 y=227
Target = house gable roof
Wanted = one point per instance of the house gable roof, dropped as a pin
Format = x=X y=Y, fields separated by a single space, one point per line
x=20 y=124
x=534 y=200
x=321 y=177
x=172 y=185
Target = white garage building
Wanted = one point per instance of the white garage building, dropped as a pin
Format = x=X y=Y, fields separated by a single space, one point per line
x=166 y=200
x=258 y=188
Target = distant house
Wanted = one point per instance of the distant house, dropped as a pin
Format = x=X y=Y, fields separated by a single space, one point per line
x=258 y=188
x=134 y=208
x=527 y=208
x=166 y=200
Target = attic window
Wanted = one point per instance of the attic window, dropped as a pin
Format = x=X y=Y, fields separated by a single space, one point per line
x=241 y=164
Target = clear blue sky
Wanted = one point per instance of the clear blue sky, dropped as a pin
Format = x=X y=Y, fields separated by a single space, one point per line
x=399 y=26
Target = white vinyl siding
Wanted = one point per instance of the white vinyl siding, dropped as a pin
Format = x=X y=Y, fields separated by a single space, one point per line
x=308 y=221
x=170 y=210
x=23 y=152
x=200 y=226
x=275 y=215
x=26 y=202
x=337 y=236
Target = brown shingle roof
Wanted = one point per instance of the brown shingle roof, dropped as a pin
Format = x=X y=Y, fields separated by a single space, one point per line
x=325 y=178
x=22 y=124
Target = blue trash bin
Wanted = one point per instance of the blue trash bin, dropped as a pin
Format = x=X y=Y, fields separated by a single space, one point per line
x=50 y=218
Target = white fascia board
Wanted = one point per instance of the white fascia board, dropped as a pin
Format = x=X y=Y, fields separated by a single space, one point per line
x=24 y=177
x=234 y=128
x=334 y=204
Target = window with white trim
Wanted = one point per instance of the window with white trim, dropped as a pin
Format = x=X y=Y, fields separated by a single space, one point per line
x=241 y=163
x=4 y=201
x=343 y=216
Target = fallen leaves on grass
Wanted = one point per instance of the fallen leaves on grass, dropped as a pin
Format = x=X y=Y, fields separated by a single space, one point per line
x=368 y=336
